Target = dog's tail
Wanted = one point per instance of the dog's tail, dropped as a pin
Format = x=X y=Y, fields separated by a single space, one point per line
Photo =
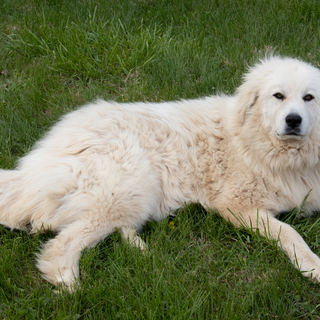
x=41 y=199
x=13 y=206
x=29 y=200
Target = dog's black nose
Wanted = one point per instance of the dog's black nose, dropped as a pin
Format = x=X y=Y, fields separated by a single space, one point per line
x=293 y=120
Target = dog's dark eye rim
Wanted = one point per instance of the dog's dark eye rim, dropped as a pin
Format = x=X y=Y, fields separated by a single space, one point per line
x=279 y=96
x=308 y=97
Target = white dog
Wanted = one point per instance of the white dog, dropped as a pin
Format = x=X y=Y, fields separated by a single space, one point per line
x=114 y=166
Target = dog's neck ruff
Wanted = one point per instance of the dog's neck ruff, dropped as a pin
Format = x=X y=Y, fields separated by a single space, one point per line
x=277 y=156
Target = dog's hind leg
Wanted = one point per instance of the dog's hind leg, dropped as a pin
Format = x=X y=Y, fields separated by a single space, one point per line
x=92 y=216
x=59 y=258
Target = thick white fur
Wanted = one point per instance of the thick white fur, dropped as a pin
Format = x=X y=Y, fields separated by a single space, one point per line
x=114 y=166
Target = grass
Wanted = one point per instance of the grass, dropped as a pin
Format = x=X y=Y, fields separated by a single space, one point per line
x=56 y=55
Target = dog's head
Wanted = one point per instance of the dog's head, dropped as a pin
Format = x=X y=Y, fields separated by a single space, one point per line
x=288 y=94
x=280 y=101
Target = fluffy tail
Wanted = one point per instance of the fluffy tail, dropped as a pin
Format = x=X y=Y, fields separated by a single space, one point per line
x=33 y=201
x=13 y=206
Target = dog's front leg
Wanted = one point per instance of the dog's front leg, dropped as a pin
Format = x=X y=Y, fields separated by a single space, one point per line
x=289 y=240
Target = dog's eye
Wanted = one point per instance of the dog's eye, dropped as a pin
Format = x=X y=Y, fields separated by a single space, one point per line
x=278 y=95
x=308 y=97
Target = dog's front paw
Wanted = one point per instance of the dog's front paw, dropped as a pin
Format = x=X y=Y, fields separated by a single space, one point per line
x=310 y=266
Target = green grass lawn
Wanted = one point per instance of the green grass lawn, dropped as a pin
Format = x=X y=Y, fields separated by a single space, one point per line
x=58 y=54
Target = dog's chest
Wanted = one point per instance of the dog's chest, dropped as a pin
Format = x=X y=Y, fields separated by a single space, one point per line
x=289 y=191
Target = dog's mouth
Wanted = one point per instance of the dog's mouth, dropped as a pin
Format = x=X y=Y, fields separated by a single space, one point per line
x=290 y=134
x=293 y=133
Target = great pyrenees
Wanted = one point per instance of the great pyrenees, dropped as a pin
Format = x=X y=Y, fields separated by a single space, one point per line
x=109 y=166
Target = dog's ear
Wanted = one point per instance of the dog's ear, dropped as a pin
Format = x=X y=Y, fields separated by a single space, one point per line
x=247 y=97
